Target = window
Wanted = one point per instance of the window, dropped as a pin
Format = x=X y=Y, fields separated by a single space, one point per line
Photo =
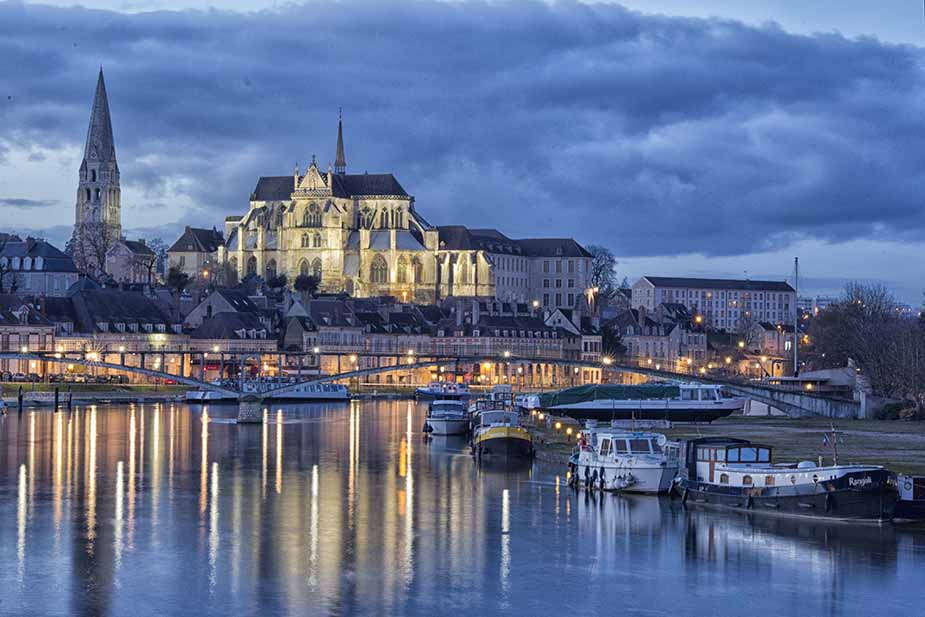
x=605 y=447
x=748 y=455
x=571 y=267
x=733 y=455
x=620 y=446
x=316 y=269
x=418 y=268
x=271 y=269
x=545 y=263
x=764 y=455
x=303 y=268
x=546 y=283
x=558 y=299
x=571 y=283
x=724 y=478
x=640 y=446
x=558 y=283
x=305 y=241
x=571 y=299
x=402 y=274
x=312 y=216
x=379 y=271
x=316 y=240
x=558 y=267
x=92 y=175
x=747 y=481
x=769 y=480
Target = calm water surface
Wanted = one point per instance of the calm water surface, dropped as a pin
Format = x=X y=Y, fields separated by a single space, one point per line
x=345 y=509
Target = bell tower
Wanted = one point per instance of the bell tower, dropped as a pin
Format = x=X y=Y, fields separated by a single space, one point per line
x=98 y=221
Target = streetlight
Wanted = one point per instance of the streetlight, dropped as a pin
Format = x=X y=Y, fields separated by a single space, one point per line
x=507 y=354
x=315 y=350
x=536 y=304
x=741 y=344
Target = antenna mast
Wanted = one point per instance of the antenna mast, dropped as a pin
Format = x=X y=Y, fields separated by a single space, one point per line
x=796 y=317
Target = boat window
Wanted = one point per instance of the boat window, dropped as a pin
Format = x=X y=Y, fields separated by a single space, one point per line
x=732 y=455
x=769 y=480
x=688 y=395
x=764 y=455
x=724 y=478
x=620 y=446
x=918 y=488
x=640 y=446
x=655 y=447
x=748 y=455
x=721 y=455
x=605 y=447
x=746 y=480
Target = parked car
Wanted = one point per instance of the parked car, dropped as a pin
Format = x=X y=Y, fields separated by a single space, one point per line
x=18 y=377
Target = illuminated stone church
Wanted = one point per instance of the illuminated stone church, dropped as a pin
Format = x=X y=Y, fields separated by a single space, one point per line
x=361 y=234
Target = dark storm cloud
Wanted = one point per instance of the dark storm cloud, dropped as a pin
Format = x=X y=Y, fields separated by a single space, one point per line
x=19 y=202
x=654 y=135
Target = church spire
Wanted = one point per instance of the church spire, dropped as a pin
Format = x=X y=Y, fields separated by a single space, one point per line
x=100 y=144
x=340 y=163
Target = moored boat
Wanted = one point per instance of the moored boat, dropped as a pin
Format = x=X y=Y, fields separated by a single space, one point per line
x=444 y=390
x=686 y=402
x=447 y=417
x=497 y=432
x=739 y=474
x=614 y=459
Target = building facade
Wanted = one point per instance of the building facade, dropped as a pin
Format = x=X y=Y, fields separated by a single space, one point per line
x=361 y=234
x=723 y=304
x=35 y=267
x=131 y=262
x=198 y=253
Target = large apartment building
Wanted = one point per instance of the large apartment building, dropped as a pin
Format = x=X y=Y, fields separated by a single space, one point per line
x=723 y=304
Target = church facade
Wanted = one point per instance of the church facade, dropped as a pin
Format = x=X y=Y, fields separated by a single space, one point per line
x=361 y=234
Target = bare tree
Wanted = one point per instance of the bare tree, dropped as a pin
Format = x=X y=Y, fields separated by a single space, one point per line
x=91 y=244
x=603 y=271
x=9 y=279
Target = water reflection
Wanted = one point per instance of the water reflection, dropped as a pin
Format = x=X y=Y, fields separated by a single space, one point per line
x=365 y=516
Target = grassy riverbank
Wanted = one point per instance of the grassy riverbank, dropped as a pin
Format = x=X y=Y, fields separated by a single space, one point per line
x=898 y=445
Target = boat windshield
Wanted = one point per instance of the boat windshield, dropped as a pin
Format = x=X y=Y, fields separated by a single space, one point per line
x=498 y=417
x=748 y=454
x=447 y=406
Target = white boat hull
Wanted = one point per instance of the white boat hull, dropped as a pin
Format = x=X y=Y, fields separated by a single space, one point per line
x=646 y=479
x=448 y=426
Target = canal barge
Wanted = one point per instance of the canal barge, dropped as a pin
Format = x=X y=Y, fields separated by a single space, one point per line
x=497 y=432
x=686 y=402
x=739 y=474
x=447 y=417
x=613 y=459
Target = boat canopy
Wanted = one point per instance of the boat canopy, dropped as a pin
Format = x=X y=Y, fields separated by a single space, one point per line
x=582 y=394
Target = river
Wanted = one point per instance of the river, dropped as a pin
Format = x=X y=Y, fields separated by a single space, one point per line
x=344 y=509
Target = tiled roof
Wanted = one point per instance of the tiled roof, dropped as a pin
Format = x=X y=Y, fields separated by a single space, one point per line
x=198 y=240
x=280 y=188
x=239 y=300
x=738 y=284
x=95 y=306
x=53 y=260
x=139 y=248
x=552 y=247
x=227 y=325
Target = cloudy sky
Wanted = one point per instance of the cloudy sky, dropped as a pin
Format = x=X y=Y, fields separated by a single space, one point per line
x=691 y=138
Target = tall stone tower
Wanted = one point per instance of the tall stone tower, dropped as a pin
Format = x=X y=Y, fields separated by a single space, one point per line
x=98 y=221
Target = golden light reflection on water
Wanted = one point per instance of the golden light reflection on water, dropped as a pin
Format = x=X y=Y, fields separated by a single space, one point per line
x=279 y=451
x=396 y=516
x=21 y=506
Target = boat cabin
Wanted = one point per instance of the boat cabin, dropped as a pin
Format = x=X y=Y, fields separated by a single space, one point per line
x=498 y=417
x=700 y=392
x=608 y=445
x=708 y=457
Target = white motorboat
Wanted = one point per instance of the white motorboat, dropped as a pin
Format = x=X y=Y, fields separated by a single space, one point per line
x=686 y=402
x=443 y=390
x=447 y=417
x=614 y=459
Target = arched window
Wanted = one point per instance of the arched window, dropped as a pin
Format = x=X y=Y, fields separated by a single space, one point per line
x=464 y=270
x=379 y=271
x=366 y=218
x=233 y=265
x=724 y=478
x=306 y=243
x=97 y=195
x=251 y=265
x=92 y=175
x=303 y=268
x=88 y=194
x=271 y=269
x=402 y=273
x=312 y=216
x=316 y=269
x=418 y=268
x=316 y=240
x=746 y=480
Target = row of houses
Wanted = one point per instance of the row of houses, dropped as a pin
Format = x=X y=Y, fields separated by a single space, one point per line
x=286 y=334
